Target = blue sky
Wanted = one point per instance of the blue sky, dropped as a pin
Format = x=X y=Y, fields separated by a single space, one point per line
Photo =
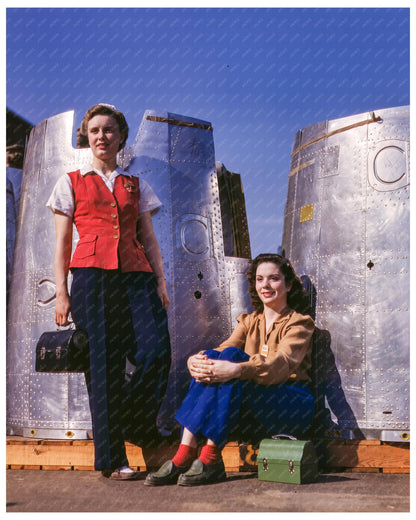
x=258 y=75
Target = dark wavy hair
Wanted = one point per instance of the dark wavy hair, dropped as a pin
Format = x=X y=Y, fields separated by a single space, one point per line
x=105 y=110
x=296 y=297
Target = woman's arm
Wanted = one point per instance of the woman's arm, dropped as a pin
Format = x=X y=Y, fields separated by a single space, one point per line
x=148 y=239
x=206 y=370
x=62 y=258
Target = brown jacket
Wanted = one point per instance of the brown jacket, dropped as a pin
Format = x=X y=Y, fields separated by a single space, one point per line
x=289 y=342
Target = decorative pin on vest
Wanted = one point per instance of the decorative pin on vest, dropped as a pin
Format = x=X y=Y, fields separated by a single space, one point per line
x=130 y=187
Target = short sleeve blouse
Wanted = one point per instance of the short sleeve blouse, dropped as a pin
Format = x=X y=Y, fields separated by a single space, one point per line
x=62 y=197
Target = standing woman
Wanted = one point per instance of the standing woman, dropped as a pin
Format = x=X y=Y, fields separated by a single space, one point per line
x=118 y=293
x=254 y=385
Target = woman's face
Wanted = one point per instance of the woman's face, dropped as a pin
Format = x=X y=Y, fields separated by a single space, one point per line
x=271 y=286
x=104 y=137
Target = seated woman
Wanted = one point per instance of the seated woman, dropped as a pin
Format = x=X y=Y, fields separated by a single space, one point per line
x=255 y=382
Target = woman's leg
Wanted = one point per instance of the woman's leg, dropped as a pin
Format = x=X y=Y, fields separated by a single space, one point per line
x=93 y=298
x=209 y=410
x=146 y=336
x=187 y=451
x=266 y=410
x=212 y=410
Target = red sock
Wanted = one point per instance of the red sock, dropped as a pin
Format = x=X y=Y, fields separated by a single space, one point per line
x=210 y=454
x=185 y=455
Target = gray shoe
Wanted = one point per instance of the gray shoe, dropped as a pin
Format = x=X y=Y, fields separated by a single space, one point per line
x=200 y=473
x=167 y=474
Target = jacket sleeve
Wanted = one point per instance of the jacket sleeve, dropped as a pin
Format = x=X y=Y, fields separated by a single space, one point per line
x=285 y=356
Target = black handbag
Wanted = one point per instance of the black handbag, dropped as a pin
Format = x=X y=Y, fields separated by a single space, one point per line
x=62 y=351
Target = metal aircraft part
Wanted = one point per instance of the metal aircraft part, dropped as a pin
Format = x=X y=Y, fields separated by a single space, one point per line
x=39 y=405
x=13 y=183
x=346 y=230
x=205 y=277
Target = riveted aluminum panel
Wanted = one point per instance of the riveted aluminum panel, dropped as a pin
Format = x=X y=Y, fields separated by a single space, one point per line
x=176 y=155
x=13 y=184
x=349 y=180
x=39 y=402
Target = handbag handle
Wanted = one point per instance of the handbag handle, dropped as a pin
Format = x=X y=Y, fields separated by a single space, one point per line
x=69 y=326
x=284 y=436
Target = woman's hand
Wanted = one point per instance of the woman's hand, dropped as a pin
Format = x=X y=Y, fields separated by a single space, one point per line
x=163 y=293
x=199 y=366
x=63 y=248
x=206 y=370
x=62 y=309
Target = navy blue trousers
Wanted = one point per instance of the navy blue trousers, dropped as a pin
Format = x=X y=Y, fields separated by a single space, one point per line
x=124 y=318
x=244 y=409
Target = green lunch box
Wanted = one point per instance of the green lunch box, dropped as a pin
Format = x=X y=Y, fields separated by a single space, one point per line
x=287 y=460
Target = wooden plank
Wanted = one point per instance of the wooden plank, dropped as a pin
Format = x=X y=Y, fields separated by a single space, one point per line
x=363 y=470
x=54 y=442
x=24 y=466
x=21 y=440
x=368 y=456
x=50 y=455
x=366 y=442
x=396 y=470
x=55 y=454
x=59 y=467
x=135 y=456
x=231 y=457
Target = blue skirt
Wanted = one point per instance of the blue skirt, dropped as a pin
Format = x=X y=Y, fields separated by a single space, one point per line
x=244 y=409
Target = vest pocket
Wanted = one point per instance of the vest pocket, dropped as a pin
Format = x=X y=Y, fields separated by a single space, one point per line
x=139 y=247
x=86 y=246
x=140 y=252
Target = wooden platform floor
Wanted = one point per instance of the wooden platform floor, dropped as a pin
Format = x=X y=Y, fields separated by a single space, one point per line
x=335 y=455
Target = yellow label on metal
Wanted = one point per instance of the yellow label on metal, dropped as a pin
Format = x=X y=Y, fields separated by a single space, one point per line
x=306 y=213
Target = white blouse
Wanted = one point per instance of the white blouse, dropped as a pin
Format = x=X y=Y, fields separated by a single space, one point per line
x=62 y=196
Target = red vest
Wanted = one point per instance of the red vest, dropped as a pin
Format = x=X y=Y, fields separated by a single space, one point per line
x=106 y=223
